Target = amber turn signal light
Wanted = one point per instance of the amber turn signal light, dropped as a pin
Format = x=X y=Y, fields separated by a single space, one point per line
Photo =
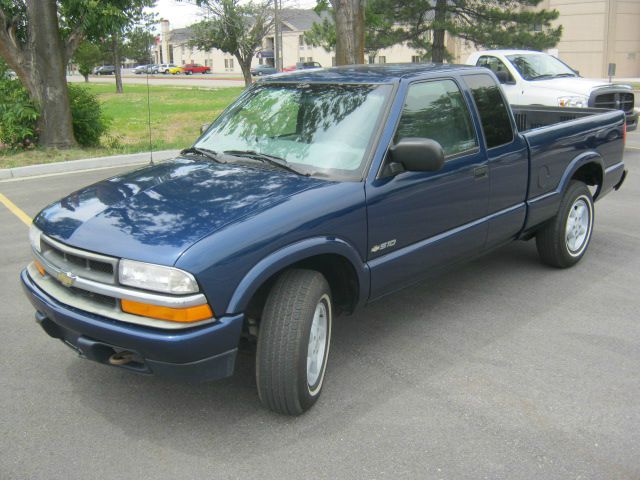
x=39 y=267
x=188 y=314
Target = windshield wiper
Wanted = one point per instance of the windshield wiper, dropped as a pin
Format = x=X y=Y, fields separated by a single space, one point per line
x=204 y=152
x=540 y=77
x=264 y=157
x=565 y=75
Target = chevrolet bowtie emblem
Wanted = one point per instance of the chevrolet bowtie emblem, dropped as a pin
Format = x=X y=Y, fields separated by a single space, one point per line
x=66 y=278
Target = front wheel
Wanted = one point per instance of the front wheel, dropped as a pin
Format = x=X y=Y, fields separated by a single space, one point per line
x=564 y=240
x=293 y=342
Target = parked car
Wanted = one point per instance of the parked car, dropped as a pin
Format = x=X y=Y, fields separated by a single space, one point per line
x=302 y=66
x=175 y=70
x=266 y=233
x=165 y=67
x=105 y=70
x=260 y=70
x=537 y=78
x=191 y=68
x=140 y=69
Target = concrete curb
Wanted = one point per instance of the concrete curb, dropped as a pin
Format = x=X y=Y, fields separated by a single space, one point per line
x=85 y=164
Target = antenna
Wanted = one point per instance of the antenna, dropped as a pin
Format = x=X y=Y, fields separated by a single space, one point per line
x=149 y=119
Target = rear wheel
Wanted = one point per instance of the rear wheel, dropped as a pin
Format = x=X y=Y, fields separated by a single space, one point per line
x=293 y=342
x=564 y=240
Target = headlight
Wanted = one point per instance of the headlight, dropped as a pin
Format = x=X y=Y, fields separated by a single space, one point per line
x=34 y=238
x=156 y=277
x=580 y=102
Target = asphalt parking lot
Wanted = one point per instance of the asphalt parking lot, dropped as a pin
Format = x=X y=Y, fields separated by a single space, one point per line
x=503 y=368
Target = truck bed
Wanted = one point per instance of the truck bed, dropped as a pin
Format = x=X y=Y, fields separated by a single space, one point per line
x=557 y=135
x=529 y=117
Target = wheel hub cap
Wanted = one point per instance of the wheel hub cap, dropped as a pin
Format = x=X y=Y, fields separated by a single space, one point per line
x=577 y=229
x=317 y=344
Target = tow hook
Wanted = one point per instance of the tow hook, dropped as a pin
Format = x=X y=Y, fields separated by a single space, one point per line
x=122 y=358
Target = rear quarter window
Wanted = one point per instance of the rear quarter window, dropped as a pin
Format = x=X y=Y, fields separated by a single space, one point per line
x=493 y=110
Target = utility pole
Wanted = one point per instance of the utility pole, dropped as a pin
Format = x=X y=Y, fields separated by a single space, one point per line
x=277 y=36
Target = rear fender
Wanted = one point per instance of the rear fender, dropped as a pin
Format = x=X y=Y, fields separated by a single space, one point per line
x=295 y=253
x=578 y=162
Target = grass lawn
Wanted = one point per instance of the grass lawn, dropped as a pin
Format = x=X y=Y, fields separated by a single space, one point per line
x=176 y=116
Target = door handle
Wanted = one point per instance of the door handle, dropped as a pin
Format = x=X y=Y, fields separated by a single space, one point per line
x=481 y=172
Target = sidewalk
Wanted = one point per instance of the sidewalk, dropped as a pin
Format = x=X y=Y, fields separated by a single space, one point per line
x=72 y=166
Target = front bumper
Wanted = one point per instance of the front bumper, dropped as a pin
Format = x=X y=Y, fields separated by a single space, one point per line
x=197 y=354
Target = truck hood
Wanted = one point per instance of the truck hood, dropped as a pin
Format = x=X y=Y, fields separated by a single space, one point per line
x=571 y=85
x=155 y=213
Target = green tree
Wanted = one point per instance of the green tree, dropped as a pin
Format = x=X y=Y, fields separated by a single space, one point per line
x=137 y=45
x=39 y=37
x=423 y=24
x=236 y=28
x=87 y=56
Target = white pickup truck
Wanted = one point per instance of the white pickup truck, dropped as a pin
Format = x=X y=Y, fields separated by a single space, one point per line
x=537 y=78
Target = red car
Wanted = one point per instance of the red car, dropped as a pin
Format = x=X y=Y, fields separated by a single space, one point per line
x=191 y=68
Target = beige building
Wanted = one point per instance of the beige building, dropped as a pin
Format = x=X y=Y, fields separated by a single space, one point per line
x=599 y=32
x=172 y=47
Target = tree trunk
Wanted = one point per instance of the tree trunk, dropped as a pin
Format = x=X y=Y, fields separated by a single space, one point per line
x=86 y=78
x=115 y=39
x=349 y=20
x=439 y=50
x=40 y=65
x=245 y=66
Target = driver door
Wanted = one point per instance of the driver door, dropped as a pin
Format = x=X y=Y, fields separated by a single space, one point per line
x=420 y=221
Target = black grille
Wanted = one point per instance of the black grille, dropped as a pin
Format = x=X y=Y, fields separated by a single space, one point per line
x=95 y=297
x=615 y=100
x=59 y=257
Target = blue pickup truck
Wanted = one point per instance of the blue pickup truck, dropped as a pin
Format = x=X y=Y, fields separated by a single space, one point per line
x=313 y=194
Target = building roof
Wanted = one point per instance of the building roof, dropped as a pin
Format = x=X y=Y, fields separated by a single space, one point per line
x=180 y=35
x=298 y=19
x=373 y=73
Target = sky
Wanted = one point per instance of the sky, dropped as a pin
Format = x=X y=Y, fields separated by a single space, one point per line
x=181 y=14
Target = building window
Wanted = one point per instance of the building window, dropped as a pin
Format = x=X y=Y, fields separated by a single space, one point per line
x=309 y=59
x=372 y=59
x=183 y=62
x=415 y=59
x=301 y=59
x=182 y=50
x=382 y=59
x=333 y=61
x=301 y=40
x=228 y=63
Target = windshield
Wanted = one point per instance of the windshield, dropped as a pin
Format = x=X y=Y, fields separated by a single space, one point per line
x=537 y=66
x=317 y=128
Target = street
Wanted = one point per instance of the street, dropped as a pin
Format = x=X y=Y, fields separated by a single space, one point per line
x=501 y=369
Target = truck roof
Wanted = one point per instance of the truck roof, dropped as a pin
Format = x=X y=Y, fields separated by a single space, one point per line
x=508 y=51
x=374 y=73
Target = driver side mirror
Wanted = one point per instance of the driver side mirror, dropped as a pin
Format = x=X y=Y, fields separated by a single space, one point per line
x=418 y=154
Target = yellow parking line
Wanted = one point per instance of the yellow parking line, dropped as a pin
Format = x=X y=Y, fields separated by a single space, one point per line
x=13 y=208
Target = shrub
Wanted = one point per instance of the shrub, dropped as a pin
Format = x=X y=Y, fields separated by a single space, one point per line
x=18 y=115
x=89 y=123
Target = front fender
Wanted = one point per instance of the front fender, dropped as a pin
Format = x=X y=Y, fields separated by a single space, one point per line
x=294 y=253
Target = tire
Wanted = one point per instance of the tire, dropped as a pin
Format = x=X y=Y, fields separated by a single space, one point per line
x=564 y=240
x=288 y=376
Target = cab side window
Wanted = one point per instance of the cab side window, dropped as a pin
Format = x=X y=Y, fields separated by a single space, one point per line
x=494 y=64
x=437 y=110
